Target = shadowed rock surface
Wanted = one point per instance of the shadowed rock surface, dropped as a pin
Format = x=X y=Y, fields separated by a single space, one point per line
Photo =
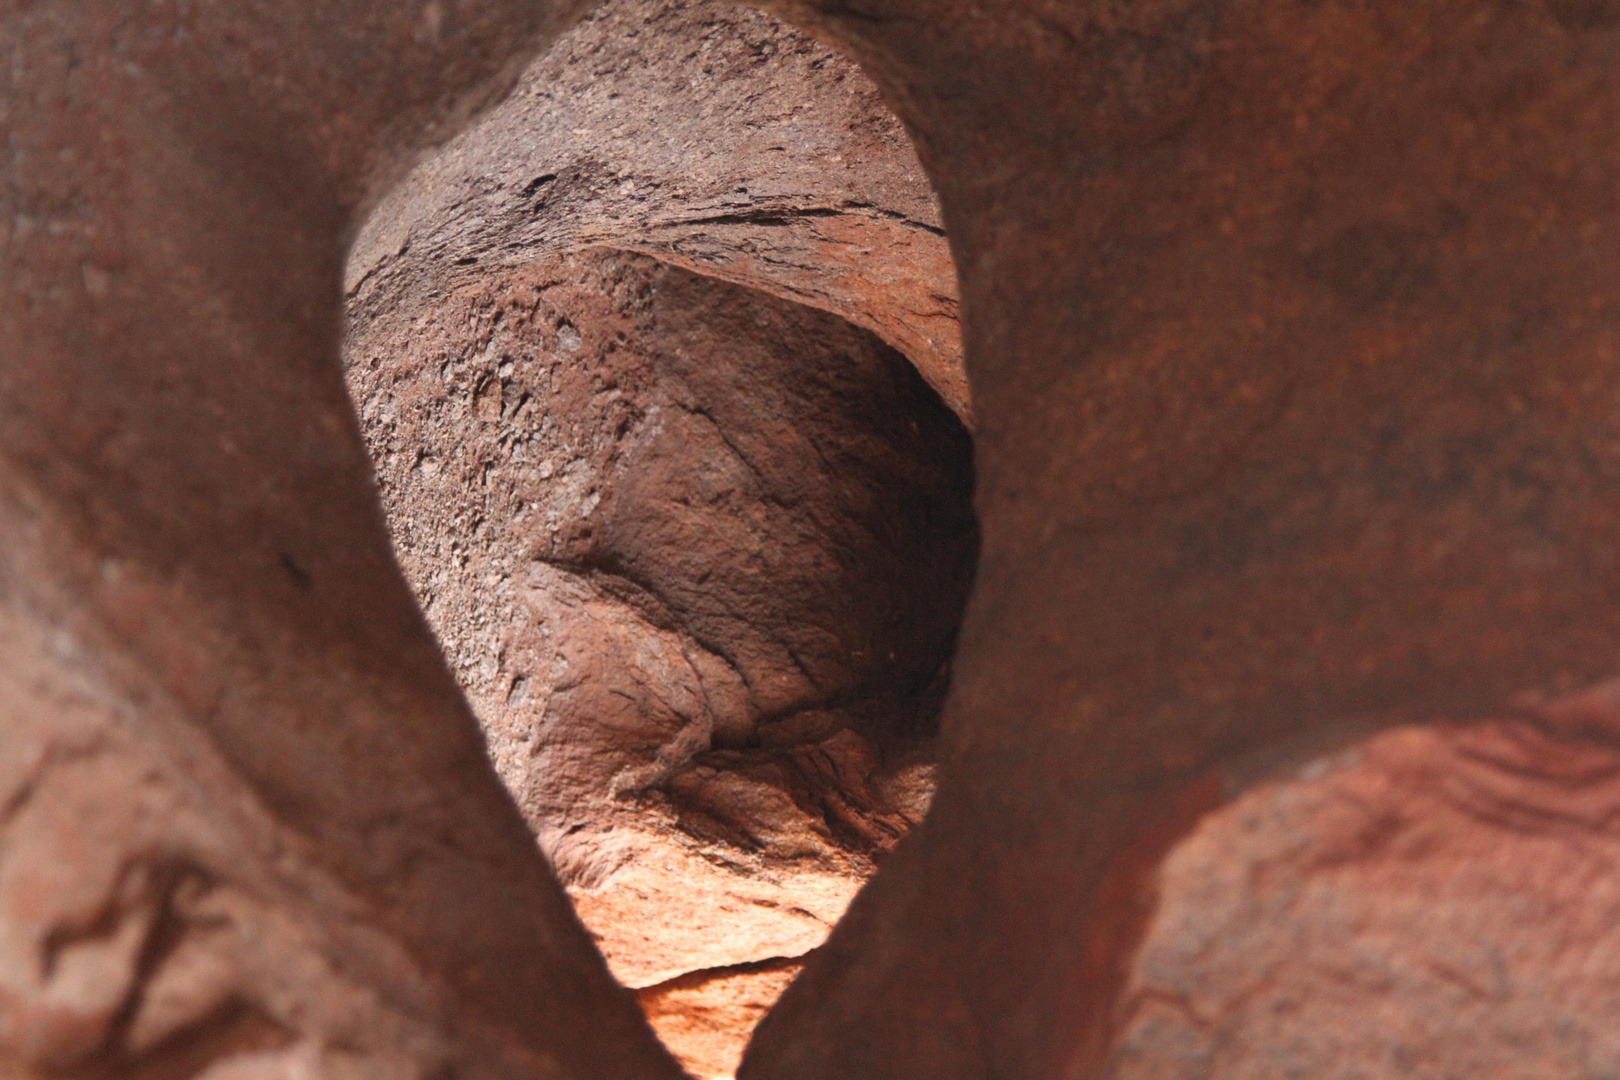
x=698 y=556
x=703 y=134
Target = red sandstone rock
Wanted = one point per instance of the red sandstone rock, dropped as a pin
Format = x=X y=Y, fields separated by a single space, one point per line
x=1291 y=328
x=698 y=1015
x=606 y=672
x=1431 y=902
x=698 y=555
x=707 y=136
x=248 y=826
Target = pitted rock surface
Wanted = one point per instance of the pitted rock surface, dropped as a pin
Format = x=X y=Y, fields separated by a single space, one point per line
x=698 y=555
x=703 y=134
x=707 y=648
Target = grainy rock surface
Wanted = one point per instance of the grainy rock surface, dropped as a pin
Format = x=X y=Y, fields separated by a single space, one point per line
x=704 y=134
x=696 y=552
x=699 y=1016
x=1432 y=902
x=698 y=555
x=1292 y=329
x=247 y=826
x=1293 y=332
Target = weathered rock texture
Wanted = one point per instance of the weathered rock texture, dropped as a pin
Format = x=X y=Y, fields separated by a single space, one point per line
x=700 y=1016
x=698 y=556
x=1434 y=902
x=247 y=827
x=706 y=135
x=1292 y=328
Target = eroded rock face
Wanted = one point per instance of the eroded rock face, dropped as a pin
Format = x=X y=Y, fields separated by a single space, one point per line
x=709 y=136
x=698 y=555
x=247 y=826
x=1328 y=411
x=1292 y=328
x=1432 y=902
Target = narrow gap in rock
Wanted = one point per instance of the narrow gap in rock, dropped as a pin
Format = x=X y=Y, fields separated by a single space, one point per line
x=660 y=370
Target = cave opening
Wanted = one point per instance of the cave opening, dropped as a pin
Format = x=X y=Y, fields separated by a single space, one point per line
x=660 y=371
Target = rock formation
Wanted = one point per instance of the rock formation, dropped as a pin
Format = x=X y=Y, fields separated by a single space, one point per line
x=698 y=556
x=1436 y=901
x=697 y=552
x=1279 y=734
x=706 y=136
